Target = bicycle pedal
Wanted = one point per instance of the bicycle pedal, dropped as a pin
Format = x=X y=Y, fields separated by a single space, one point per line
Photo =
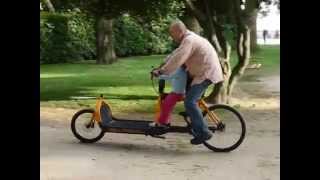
x=157 y=136
x=184 y=114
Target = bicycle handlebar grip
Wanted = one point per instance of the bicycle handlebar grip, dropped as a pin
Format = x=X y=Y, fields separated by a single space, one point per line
x=161 y=86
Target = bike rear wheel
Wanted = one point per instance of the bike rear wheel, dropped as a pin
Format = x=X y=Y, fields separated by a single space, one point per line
x=84 y=129
x=230 y=133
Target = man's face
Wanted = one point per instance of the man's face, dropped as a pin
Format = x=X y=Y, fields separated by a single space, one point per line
x=175 y=34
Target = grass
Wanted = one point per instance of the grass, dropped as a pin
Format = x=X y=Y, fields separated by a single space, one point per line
x=269 y=57
x=125 y=84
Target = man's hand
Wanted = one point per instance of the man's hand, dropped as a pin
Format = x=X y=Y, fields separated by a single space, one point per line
x=156 y=72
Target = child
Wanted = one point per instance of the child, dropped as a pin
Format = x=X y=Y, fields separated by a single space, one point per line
x=178 y=81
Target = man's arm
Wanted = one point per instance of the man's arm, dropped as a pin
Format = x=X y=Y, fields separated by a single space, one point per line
x=166 y=59
x=178 y=57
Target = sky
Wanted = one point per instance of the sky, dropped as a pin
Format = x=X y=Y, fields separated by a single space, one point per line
x=271 y=22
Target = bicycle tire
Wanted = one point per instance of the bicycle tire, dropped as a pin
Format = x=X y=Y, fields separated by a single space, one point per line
x=78 y=135
x=243 y=129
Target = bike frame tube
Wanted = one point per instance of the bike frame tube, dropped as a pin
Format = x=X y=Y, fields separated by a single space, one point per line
x=203 y=105
x=157 y=109
x=96 y=115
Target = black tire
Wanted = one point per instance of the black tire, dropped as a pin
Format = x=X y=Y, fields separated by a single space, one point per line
x=238 y=119
x=78 y=135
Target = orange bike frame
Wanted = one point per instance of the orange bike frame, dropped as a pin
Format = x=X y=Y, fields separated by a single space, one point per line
x=202 y=104
x=96 y=115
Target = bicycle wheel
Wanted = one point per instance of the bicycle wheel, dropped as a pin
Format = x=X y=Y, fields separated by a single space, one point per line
x=228 y=135
x=84 y=129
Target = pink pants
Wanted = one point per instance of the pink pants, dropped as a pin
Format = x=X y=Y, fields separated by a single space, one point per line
x=167 y=106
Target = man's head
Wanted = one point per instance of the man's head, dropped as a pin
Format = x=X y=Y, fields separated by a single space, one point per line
x=177 y=30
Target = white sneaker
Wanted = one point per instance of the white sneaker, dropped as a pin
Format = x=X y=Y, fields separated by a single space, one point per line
x=154 y=124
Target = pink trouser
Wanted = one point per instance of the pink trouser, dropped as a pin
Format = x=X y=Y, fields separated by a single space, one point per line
x=167 y=107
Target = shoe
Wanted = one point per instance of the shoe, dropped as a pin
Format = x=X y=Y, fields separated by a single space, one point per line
x=200 y=140
x=154 y=124
x=103 y=128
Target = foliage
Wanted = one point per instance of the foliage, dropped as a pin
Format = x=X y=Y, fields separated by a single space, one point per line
x=70 y=36
x=133 y=39
x=55 y=44
x=65 y=37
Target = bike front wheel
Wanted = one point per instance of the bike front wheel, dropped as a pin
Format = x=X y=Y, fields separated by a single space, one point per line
x=84 y=128
x=228 y=134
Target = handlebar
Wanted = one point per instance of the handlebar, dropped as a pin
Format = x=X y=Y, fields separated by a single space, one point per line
x=161 y=83
x=153 y=74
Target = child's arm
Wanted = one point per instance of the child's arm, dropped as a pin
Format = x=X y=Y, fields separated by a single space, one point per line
x=178 y=73
x=165 y=77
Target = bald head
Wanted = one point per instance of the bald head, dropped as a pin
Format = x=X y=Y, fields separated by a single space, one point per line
x=177 y=30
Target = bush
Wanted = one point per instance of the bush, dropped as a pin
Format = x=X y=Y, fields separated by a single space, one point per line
x=65 y=38
x=54 y=39
x=131 y=38
x=82 y=34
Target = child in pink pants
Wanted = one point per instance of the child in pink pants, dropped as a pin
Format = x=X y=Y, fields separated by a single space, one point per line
x=178 y=81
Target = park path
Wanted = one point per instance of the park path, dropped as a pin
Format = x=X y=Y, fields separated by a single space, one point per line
x=136 y=157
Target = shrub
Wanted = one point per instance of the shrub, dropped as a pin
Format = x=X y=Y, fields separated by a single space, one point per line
x=65 y=38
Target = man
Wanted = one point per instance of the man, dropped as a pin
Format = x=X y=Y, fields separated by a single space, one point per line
x=202 y=64
x=265 y=34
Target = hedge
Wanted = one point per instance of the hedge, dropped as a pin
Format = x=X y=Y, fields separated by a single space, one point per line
x=67 y=37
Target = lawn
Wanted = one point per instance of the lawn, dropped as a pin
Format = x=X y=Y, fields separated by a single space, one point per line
x=125 y=84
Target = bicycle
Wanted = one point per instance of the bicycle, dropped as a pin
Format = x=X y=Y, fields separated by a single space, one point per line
x=218 y=117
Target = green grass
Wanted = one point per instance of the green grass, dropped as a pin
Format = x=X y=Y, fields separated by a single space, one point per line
x=125 y=84
x=269 y=57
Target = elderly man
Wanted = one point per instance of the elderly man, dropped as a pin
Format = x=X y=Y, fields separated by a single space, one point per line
x=202 y=64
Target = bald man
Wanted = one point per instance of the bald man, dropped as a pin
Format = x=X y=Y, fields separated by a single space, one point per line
x=202 y=64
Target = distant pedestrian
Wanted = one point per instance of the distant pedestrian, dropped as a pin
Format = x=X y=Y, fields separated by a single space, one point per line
x=265 y=34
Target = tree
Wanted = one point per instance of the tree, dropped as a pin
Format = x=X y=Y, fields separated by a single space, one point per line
x=242 y=17
x=105 y=11
x=253 y=30
x=48 y=4
x=191 y=21
x=213 y=16
x=208 y=13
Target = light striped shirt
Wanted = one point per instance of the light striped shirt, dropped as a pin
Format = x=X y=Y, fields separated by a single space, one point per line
x=199 y=56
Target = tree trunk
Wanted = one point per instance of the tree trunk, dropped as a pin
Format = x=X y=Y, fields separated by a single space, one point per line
x=223 y=48
x=49 y=5
x=243 y=42
x=253 y=30
x=110 y=52
x=104 y=43
x=191 y=22
x=219 y=93
x=214 y=33
x=243 y=52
